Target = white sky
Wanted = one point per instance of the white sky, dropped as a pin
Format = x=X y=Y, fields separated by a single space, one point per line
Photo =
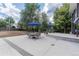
x=10 y=10
x=50 y=7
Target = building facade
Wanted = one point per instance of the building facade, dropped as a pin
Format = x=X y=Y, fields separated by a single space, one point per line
x=74 y=12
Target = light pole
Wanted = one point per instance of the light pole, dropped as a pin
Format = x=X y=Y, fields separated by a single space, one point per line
x=71 y=26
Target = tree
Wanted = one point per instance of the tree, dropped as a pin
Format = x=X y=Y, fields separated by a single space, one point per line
x=29 y=14
x=44 y=22
x=21 y=25
x=62 y=21
x=10 y=21
x=2 y=23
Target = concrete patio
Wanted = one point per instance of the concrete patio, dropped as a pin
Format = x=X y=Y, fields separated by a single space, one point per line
x=45 y=46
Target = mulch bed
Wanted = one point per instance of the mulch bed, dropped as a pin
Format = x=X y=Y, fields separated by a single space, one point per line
x=11 y=33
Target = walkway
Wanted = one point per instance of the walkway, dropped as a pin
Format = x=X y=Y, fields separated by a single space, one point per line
x=45 y=46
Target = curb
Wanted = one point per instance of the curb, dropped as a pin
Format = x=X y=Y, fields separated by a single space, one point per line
x=65 y=38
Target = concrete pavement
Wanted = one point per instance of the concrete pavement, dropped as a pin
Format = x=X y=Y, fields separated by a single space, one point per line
x=18 y=49
x=7 y=50
x=45 y=46
x=64 y=35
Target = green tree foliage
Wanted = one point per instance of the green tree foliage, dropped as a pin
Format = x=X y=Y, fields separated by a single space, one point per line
x=62 y=19
x=6 y=21
x=44 y=23
x=21 y=25
x=2 y=23
x=9 y=20
x=29 y=14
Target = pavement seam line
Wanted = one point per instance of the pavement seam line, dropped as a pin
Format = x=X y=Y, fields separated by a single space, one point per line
x=18 y=49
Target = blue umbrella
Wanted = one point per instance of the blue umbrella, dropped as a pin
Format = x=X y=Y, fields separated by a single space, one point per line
x=33 y=24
